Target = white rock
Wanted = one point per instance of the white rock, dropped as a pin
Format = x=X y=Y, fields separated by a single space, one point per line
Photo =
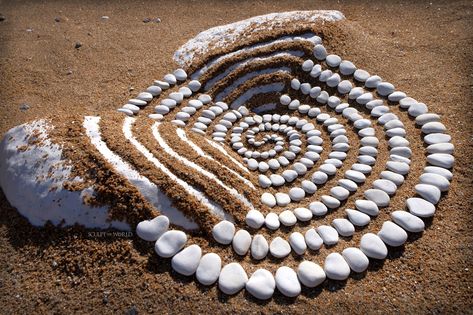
x=437 y=138
x=151 y=230
x=194 y=85
x=417 y=109
x=347 y=67
x=392 y=234
x=367 y=206
x=356 y=259
x=433 y=127
x=134 y=109
x=264 y=181
x=330 y=202
x=170 y=243
x=261 y=284
x=259 y=247
x=361 y=75
x=282 y=199
x=254 y=219
x=287 y=282
x=373 y=81
x=343 y=227
x=232 y=278
x=385 y=88
x=241 y=242
x=319 y=177
x=385 y=185
x=308 y=186
x=272 y=221
x=436 y=180
x=420 y=207
x=398 y=167
x=357 y=218
x=318 y=208
x=355 y=176
x=279 y=248
x=268 y=199
x=310 y=274
x=379 y=197
x=297 y=242
x=407 y=102
x=320 y=52
x=428 y=192
x=287 y=218
x=187 y=261
x=223 y=232
x=303 y=214
x=180 y=74
x=372 y=246
x=126 y=111
x=408 y=221
x=393 y=177
x=441 y=160
x=336 y=267
x=296 y=194
x=328 y=234
x=170 y=78
x=340 y=193
x=446 y=148
x=313 y=239
x=209 y=269
x=277 y=180
x=439 y=171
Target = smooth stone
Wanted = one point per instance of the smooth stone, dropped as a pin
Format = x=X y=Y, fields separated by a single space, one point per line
x=277 y=180
x=282 y=199
x=161 y=84
x=385 y=185
x=398 y=167
x=393 y=177
x=428 y=192
x=252 y=164
x=319 y=177
x=194 y=85
x=287 y=282
x=340 y=193
x=170 y=78
x=357 y=218
x=336 y=267
x=232 y=278
x=297 y=242
x=313 y=239
x=328 y=234
x=367 y=206
x=264 y=181
x=187 y=261
x=407 y=102
x=170 y=243
x=396 y=96
x=300 y=168
x=208 y=270
x=320 y=52
x=347 y=67
x=373 y=247
x=261 y=284
x=310 y=274
x=446 y=148
x=378 y=196
x=330 y=201
x=272 y=221
x=333 y=60
x=344 y=87
x=408 y=221
x=137 y=102
x=392 y=234
x=134 y=109
x=259 y=247
x=420 y=207
x=385 y=88
x=373 y=81
x=355 y=176
x=417 y=109
x=439 y=171
x=426 y=118
x=254 y=219
x=268 y=199
x=441 y=160
x=279 y=247
x=182 y=116
x=151 y=230
x=361 y=75
x=126 y=111
x=296 y=194
x=343 y=227
x=433 y=127
x=308 y=186
x=434 y=138
x=289 y=175
x=145 y=96
x=205 y=98
x=241 y=242
x=223 y=232
x=436 y=180
x=303 y=214
x=363 y=168
x=356 y=259
x=318 y=208
x=329 y=169
x=156 y=117
x=366 y=159
x=287 y=218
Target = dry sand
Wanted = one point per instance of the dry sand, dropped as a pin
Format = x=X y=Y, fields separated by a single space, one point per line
x=424 y=48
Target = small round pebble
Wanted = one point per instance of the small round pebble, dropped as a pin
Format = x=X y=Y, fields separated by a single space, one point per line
x=372 y=246
x=336 y=267
x=261 y=284
x=287 y=282
x=232 y=278
x=170 y=243
x=223 y=232
x=208 y=270
x=310 y=274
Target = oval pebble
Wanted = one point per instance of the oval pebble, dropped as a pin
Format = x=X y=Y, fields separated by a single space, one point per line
x=232 y=278
x=328 y=234
x=151 y=230
x=392 y=234
x=261 y=284
x=187 y=261
x=310 y=274
x=287 y=282
x=373 y=247
x=279 y=247
x=170 y=243
x=420 y=207
x=408 y=221
x=335 y=267
x=223 y=232
x=259 y=247
x=241 y=242
x=297 y=242
x=356 y=259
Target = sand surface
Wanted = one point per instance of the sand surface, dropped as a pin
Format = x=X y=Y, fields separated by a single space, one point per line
x=424 y=48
